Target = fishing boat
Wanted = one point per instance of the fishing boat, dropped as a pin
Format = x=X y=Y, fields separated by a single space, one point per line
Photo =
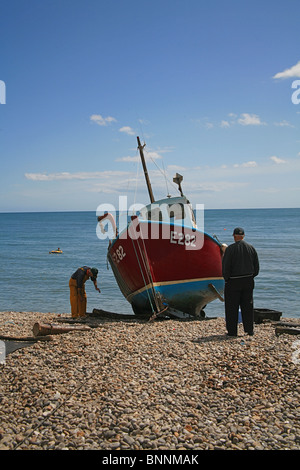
x=162 y=261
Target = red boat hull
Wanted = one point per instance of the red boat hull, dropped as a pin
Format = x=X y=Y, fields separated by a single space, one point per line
x=180 y=267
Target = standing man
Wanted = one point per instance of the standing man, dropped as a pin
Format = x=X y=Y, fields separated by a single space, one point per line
x=240 y=265
x=78 y=298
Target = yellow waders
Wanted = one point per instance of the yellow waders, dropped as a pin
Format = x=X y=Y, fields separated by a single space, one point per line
x=78 y=299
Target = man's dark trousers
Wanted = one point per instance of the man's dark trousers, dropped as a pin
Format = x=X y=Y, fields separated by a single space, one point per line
x=239 y=293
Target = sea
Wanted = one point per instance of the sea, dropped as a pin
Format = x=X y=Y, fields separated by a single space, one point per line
x=32 y=279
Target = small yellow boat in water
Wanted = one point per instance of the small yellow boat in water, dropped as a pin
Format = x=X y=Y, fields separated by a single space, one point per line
x=55 y=252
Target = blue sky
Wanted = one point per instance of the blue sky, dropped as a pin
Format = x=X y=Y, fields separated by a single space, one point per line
x=206 y=84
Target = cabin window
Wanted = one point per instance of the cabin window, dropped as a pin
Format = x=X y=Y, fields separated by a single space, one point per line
x=166 y=212
x=176 y=212
x=155 y=214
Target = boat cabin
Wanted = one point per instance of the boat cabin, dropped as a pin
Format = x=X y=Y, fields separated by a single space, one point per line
x=175 y=210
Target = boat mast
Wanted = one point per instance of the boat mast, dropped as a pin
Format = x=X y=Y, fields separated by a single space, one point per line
x=141 y=147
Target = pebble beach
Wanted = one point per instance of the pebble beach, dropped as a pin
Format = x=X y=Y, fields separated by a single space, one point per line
x=136 y=385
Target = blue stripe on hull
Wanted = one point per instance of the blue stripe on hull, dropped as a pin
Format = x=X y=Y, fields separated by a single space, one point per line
x=187 y=297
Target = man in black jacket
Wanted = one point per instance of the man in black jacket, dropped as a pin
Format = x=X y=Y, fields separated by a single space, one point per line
x=240 y=266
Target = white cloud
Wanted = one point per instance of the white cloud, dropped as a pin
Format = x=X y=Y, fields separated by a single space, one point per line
x=200 y=184
x=203 y=122
x=245 y=119
x=153 y=155
x=277 y=160
x=293 y=71
x=101 y=121
x=73 y=176
x=127 y=130
x=218 y=186
x=250 y=120
x=250 y=164
x=284 y=123
x=128 y=159
x=176 y=168
x=148 y=156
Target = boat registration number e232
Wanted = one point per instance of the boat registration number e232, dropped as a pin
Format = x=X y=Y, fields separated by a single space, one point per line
x=180 y=238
